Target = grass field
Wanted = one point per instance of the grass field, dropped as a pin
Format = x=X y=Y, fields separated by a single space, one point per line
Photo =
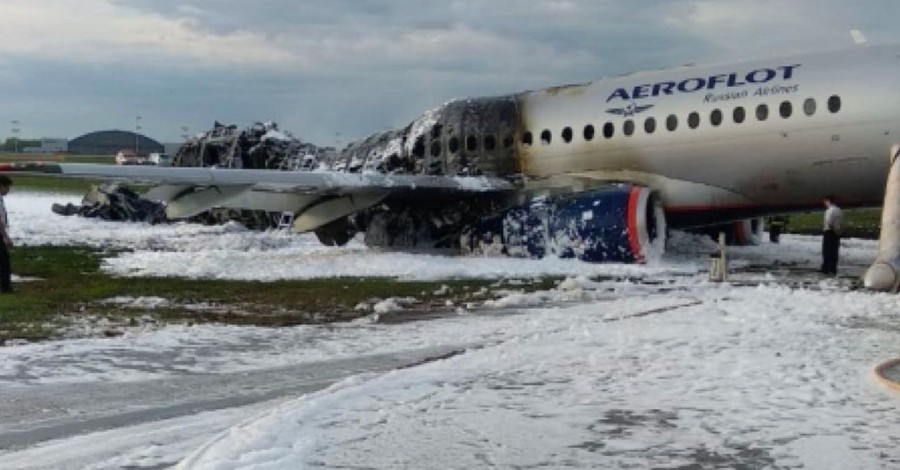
x=858 y=223
x=49 y=183
x=70 y=288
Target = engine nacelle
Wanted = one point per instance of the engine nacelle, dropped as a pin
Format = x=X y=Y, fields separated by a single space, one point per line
x=615 y=224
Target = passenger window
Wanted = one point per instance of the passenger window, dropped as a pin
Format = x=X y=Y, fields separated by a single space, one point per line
x=834 y=103
x=453 y=145
x=419 y=147
x=809 y=106
x=588 y=132
x=739 y=115
x=609 y=130
x=567 y=135
x=762 y=112
x=490 y=143
x=471 y=143
x=715 y=117
x=786 y=109
x=546 y=137
x=435 y=148
x=672 y=122
x=650 y=125
x=436 y=131
x=527 y=139
x=694 y=120
x=628 y=127
x=508 y=141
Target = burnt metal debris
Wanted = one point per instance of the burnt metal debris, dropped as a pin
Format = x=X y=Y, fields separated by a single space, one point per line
x=464 y=137
x=261 y=146
x=112 y=201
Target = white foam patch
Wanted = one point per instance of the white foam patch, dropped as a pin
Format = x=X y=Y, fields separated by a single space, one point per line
x=752 y=377
x=232 y=252
x=662 y=370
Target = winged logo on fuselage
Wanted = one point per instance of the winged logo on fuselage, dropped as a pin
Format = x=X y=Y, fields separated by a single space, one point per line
x=630 y=109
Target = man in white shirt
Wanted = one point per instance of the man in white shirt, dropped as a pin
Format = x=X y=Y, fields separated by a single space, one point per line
x=5 y=241
x=831 y=239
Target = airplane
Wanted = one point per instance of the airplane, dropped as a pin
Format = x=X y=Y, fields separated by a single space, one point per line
x=596 y=171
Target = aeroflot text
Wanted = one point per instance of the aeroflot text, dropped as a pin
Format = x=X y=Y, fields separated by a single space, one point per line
x=690 y=85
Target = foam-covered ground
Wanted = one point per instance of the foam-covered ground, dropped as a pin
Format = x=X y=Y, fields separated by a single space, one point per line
x=663 y=369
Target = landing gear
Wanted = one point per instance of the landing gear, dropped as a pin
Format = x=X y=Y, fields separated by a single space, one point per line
x=336 y=233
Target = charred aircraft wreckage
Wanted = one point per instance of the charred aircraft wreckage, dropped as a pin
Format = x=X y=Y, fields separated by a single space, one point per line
x=478 y=138
x=463 y=138
x=595 y=171
x=261 y=146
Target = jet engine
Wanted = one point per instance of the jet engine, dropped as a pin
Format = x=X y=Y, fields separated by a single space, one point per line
x=614 y=224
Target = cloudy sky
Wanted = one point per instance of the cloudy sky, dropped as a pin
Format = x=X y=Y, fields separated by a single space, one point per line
x=337 y=70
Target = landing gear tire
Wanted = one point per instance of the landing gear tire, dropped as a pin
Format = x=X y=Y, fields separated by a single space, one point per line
x=336 y=233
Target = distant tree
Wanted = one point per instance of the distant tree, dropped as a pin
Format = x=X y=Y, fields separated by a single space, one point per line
x=10 y=144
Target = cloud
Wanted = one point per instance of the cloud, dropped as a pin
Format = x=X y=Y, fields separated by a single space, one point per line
x=104 y=32
x=355 y=67
x=773 y=27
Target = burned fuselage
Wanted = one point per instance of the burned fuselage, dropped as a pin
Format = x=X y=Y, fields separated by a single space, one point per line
x=465 y=137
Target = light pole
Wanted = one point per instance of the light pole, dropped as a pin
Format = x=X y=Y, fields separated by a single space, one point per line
x=137 y=135
x=15 y=132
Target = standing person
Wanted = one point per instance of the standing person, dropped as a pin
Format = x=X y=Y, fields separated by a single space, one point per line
x=5 y=241
x=831 y=239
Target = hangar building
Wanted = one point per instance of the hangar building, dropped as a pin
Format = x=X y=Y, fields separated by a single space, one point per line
x=110 y=142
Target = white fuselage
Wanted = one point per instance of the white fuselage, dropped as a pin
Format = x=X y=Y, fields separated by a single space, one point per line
x=763 y=162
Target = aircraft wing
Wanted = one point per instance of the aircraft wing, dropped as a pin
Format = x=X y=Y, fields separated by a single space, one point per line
x=316 y=197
